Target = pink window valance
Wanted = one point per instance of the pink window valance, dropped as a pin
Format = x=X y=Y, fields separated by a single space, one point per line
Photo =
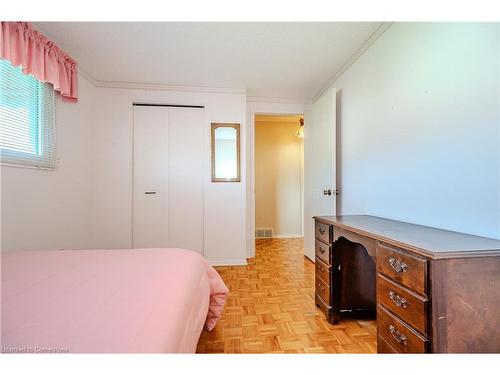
x=37 y=55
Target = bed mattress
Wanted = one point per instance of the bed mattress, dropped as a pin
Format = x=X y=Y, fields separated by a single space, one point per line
x=108 y=301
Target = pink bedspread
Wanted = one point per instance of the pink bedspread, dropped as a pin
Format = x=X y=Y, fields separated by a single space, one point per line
x=108 y=301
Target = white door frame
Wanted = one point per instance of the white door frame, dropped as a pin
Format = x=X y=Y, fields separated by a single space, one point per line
x=261 y=108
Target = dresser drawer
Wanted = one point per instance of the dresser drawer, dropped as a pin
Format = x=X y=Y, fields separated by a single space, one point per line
x=322 y=271
x=404 y=303
x=383 y=347
x=409 y=270
x=323 y=251
x=322 y=305
x=323 y=290
x=323 y=232
x=399 y=335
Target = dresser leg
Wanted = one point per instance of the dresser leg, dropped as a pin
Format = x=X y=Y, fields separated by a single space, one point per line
x=333 y=318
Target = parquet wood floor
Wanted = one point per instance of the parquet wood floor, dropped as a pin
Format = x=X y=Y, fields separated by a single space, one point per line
x=271 y=309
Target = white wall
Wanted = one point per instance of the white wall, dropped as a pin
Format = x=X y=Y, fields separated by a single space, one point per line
x=111 y=209
x=278 y=177
x=44 y=209
x=419 y=130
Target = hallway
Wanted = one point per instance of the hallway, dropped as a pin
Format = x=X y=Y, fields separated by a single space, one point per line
x=271 y=309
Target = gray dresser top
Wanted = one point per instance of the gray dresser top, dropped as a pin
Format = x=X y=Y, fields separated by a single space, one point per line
x=428 y=241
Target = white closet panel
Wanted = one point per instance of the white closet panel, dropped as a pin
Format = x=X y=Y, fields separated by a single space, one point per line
x=150 y=211
x=185 y=171
x=168 y=177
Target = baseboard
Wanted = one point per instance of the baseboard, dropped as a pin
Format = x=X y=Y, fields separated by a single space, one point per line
x=287 y=236
x=309 y=259
x=228 y=262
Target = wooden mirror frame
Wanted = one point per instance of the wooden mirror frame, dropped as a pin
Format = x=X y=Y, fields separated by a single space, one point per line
x=238 y=158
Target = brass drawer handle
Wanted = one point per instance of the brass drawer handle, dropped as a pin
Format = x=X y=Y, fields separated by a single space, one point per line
x=321 y=250
x=398 y=336
x=398 y=265
x=398 y=300
x=321 y=231
x=321 y=287
x=321 y=269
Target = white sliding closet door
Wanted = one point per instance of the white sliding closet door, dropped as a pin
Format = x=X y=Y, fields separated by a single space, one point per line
x=168 y=177
x=185 y=173
x=150 y=212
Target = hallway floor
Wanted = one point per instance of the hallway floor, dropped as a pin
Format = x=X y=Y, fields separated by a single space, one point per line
x=271 y=309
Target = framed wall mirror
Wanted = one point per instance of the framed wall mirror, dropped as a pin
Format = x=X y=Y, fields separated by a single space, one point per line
x=225 y=152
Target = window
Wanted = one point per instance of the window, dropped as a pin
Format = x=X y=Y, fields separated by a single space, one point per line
x=27 y=119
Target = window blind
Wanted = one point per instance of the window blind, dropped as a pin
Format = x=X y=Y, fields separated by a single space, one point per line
x=27 y=119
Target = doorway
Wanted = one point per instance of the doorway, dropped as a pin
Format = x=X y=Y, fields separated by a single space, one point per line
x=279 y=176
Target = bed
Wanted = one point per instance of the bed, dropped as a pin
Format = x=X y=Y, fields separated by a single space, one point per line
x=108 y=301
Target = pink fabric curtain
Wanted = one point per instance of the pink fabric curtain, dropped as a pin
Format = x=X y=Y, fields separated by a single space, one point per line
x=37 y=55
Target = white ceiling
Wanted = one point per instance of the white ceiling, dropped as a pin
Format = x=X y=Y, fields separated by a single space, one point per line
x=275 y=60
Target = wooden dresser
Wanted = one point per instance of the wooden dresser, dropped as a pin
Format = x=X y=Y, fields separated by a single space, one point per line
x=431 y=290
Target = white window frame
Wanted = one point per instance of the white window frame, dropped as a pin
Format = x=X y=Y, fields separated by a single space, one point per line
x=46 y=157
